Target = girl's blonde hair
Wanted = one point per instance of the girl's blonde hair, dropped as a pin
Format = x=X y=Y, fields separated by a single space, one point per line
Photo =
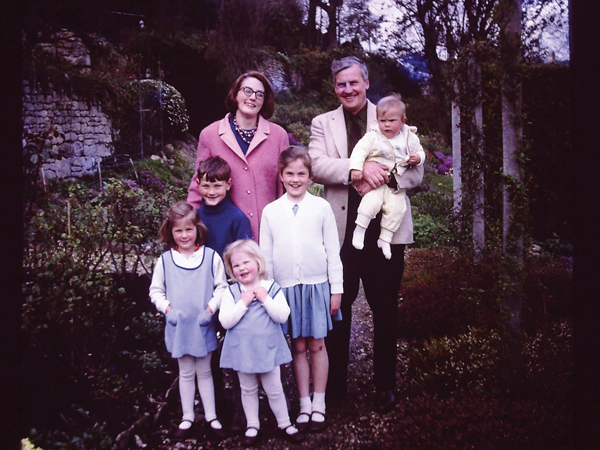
x=250 y=247
x=181 y=211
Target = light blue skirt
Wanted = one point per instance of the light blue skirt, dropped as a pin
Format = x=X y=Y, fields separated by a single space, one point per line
x=310 y=306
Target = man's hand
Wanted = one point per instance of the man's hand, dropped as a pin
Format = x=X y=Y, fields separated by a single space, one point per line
x=375 y=174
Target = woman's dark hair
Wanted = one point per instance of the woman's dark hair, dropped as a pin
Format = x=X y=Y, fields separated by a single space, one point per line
x=268 y=107
x=181 y=211
x=291 y=154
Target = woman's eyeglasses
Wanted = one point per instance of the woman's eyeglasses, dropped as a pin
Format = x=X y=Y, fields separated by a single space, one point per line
x=260 y=95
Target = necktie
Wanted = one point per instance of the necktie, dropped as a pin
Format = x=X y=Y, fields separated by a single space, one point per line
x=354 y=133
x=295 y=209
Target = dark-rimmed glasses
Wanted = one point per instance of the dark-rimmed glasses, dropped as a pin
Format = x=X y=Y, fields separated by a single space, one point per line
x=248 y=91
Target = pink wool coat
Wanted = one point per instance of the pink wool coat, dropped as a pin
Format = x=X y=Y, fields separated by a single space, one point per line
x=254 y=175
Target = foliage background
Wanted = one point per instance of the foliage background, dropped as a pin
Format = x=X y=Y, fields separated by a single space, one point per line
x=95 y=370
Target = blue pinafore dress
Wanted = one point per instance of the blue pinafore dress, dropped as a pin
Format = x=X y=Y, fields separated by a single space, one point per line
x=256 y=344
x=189 y=329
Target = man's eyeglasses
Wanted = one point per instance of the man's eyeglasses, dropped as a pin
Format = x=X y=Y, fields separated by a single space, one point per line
x=260 y=95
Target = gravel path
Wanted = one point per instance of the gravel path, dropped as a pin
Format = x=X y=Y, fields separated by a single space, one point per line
x=353 y=424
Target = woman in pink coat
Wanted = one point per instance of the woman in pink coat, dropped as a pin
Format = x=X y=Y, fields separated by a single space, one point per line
x=249 y=143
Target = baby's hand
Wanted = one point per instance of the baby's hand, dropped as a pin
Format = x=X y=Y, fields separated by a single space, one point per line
x=356 y=175
x=261 y=294
x=247 y=297
x=414 y=159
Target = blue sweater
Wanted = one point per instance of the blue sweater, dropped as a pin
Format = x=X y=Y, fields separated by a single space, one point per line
x=226 y=223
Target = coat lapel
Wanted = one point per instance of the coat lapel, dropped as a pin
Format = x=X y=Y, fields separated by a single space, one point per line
x=262 y=132
x=338 y=127
x=228 y=137
x=338 y=132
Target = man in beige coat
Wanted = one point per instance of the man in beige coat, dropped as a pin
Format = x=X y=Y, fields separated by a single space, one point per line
x=333 y=136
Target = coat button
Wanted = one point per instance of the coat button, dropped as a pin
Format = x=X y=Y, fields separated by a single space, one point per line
x=245 y=168
x=343 y=208
x=248 y=192
x=251 y=215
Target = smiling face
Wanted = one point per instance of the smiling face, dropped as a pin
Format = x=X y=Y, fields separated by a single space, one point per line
x=184 y=234
x=351 y=88
x=390 y=122
x=249 y=106
x=295 y=177
x=213 y=192
x=245 y=268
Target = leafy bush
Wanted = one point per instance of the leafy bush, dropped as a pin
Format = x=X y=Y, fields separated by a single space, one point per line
x=445 y=292
x=88 y=256
x=473 y=360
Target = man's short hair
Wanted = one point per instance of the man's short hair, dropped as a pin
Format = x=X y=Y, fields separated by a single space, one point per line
x=340 y=64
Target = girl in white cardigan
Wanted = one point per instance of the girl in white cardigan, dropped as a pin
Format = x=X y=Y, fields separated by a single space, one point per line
x=299 y=240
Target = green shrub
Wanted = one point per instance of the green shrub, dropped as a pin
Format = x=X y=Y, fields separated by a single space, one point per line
x=445 y=292
x=473 y=360
x=88 y=256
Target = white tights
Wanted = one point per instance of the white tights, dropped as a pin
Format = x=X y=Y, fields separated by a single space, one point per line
x=191 y=367
x=271 y=382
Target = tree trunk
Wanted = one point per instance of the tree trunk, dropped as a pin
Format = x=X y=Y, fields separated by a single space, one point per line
x=477 y=139
x=512 y=226
x=456 y=153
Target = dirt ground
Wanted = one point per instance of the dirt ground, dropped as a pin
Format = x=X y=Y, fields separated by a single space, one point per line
x=352 y=424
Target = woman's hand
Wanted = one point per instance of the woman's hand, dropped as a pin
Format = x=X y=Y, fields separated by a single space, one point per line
x=261 y=294
x=336 y=302
x=168 y=310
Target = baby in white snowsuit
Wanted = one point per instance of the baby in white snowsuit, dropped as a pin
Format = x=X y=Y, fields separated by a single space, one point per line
x=396 y=146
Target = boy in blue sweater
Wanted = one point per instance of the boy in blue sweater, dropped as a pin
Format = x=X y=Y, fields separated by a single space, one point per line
x=226 y=223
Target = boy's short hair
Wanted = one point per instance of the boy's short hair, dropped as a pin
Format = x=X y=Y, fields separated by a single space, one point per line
x=179 y=211
x=250 y=247
x=391 y=101
x=214 y=168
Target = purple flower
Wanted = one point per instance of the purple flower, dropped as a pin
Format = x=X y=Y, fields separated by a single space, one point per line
x=293 y=140
x=150 y=181
x=131 y=183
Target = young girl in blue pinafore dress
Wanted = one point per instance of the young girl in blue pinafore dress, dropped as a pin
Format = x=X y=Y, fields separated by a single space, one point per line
x=252 y=311
x=189 y=279
x=299 y=239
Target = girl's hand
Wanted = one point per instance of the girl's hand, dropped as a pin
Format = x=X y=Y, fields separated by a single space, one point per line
x=247 y=297
x=261 y=294
x=336 y=302
x=168 y=310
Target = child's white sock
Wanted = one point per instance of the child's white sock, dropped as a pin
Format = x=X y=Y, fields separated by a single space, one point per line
x=358 y=238
x=385 y=248
x=306 y=408
x=318 y=406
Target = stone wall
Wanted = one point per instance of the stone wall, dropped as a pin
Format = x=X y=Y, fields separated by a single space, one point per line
x=86 y=131
x=84 y=134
